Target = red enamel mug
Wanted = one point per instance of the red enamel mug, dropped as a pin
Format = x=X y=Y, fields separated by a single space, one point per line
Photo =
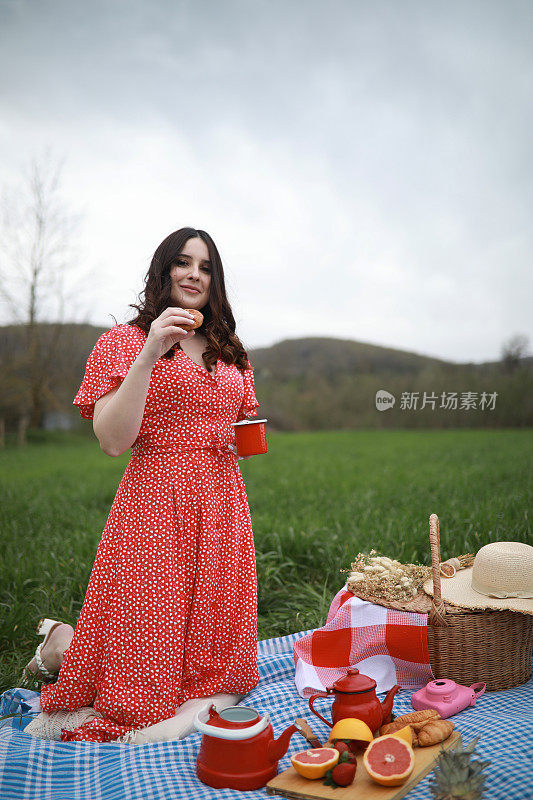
x=250 y=437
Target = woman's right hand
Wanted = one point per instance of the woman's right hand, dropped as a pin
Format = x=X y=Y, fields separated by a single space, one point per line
x=165 y=331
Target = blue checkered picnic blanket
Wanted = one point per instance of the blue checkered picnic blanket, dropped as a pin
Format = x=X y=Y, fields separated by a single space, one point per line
x=43 y=770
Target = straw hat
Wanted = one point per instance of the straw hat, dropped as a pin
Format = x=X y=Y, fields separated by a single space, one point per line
x=500 y=578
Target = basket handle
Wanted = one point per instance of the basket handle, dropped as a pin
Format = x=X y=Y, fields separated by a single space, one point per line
x=437 y=613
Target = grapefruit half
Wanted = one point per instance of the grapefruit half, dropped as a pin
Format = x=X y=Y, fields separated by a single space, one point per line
x=315 y=763
x=353 y=729
x=389 y=760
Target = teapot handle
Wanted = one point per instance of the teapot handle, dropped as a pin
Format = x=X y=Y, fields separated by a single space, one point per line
x=312 y=700
x=478 y=689
x=234 y=734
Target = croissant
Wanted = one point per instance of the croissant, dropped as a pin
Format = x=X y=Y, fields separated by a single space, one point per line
x=415 y=719
x=434 y=731
x=418 y=716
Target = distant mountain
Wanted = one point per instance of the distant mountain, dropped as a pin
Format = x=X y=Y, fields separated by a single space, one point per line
x=329 y=357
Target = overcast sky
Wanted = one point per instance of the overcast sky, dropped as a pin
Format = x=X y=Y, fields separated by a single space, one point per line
x=364 y=167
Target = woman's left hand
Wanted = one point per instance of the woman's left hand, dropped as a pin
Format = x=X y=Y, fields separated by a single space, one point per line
x=233 y=448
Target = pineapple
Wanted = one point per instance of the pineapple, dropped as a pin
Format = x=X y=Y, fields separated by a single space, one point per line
x=456 y=777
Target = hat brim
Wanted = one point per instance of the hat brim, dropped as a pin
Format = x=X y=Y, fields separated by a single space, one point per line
x=458 y=591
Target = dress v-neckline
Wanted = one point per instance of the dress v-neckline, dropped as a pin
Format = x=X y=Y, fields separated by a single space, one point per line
x=211 y=374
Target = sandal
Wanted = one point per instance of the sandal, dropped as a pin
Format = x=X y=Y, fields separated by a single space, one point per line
x=44 y=628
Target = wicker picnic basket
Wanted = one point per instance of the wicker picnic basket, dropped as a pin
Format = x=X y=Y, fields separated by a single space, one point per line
x=467 y=646
x=464 y=645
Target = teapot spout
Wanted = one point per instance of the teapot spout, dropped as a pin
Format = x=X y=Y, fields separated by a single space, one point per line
x=278 y=747
x=387 y=704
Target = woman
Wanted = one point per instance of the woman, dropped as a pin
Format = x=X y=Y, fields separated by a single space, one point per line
x=170 y=612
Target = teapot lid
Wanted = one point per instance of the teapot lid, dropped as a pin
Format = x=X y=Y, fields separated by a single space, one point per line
x=354 y=682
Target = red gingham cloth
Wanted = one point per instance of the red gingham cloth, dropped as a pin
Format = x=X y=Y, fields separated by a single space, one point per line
x=388 y=645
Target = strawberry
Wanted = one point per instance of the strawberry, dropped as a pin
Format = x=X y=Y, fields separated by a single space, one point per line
x=341 y=746
x=343 y=774
x=353 y=745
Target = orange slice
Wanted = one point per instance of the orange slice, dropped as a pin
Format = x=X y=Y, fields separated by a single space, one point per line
x=389 y=760
x=315 y=763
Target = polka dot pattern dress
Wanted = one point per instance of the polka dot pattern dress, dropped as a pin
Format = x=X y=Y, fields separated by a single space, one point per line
x=170 y=611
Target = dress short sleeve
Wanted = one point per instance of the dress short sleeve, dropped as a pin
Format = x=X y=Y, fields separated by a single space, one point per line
x=249 y=404
x=106 y=368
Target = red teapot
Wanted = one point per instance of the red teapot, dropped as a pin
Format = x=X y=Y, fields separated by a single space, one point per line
x=355 y=696
x=238 y=749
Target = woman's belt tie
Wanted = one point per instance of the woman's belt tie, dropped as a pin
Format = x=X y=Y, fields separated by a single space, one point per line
x=222 y=451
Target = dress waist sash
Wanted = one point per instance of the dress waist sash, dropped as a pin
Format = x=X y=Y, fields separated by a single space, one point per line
x=170 y=442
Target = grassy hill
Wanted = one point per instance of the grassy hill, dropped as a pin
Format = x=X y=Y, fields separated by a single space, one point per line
x=332 y=357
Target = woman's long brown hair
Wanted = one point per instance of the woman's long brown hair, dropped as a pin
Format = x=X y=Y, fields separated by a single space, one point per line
x=218 y=326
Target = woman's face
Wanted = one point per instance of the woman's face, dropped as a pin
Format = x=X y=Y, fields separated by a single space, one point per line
x=191 y=275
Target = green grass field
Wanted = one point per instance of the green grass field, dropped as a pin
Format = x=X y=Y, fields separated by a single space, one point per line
x=316 y=500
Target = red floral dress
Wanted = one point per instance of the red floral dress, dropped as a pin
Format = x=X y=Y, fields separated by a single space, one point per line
x=171 y=606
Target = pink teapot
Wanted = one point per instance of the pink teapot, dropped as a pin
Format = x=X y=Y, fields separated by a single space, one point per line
x=355 y=696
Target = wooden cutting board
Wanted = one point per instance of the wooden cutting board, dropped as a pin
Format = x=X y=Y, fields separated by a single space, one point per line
x=290 y=784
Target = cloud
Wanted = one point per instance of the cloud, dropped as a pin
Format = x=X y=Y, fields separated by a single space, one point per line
x=364 y=168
